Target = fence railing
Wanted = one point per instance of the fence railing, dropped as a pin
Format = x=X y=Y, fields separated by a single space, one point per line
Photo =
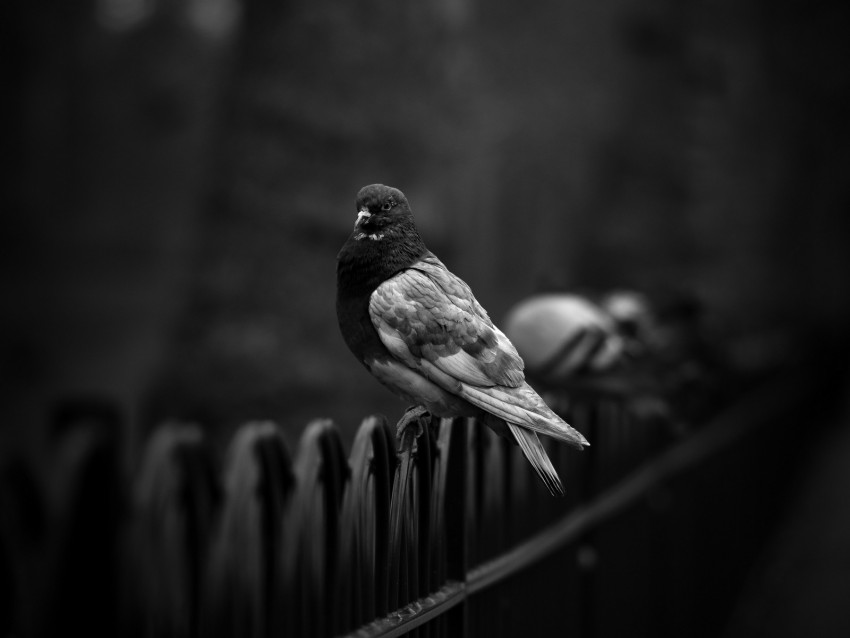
x=448 y=534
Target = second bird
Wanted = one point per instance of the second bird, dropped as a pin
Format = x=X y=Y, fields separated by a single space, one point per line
x=419 y=330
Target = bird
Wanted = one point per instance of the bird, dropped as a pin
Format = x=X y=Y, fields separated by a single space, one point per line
x=563 y=336
x=418 y=329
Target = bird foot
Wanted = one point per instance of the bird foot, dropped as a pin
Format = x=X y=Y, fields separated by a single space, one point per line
x=416 y=418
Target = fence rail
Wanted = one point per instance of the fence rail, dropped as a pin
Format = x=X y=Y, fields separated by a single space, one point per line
x=448 y=535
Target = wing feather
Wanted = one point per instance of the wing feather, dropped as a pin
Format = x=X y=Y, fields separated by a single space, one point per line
x=523 y=406
x=417 y=319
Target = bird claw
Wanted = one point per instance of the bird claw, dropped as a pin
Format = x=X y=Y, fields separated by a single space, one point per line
x=413 y=423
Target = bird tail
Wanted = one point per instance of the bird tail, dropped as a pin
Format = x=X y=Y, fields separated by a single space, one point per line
x=533 y=449
x=522 y=406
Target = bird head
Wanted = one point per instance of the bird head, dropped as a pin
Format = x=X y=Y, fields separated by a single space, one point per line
x=384 y=241
x=380 y=207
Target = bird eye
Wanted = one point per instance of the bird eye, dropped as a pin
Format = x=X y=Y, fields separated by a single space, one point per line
x=387 y=205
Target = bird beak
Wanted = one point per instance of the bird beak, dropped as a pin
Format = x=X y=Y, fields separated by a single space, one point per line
x=362 y=216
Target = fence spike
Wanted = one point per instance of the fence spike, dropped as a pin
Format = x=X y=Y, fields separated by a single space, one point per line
x=243 y=582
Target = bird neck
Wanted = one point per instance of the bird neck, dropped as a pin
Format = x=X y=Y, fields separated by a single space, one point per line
x=364 y=264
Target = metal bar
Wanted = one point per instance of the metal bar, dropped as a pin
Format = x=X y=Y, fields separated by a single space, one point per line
x=415 y=614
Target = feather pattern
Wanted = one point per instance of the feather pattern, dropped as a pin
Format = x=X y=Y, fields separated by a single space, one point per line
x=420 y=331
x=428 y=318
x=426 y=312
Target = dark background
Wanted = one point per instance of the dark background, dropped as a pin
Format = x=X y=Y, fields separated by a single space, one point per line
x=182 y=174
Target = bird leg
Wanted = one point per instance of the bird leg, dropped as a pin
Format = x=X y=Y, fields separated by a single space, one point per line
x=416 y=416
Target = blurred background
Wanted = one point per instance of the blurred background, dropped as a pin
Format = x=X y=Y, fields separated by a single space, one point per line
x=182 y=173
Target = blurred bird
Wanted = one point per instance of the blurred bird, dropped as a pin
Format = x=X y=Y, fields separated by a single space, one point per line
x=648 y=350
x=419 y=330
x=561 y=336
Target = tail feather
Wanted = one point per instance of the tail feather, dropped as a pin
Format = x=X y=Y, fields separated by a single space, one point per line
x=531 y=446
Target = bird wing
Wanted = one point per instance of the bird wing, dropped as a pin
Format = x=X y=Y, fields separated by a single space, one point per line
x=427 y=315
x=429 y=319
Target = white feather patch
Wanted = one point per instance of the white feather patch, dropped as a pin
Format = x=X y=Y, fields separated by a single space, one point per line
x=394 y=343
x=372 y=236
x=463 y=367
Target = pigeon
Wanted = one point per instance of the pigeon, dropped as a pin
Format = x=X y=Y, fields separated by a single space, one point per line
x=419 y=330
x=564 y=336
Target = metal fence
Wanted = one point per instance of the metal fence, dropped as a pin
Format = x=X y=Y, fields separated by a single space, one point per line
x=449 y=535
